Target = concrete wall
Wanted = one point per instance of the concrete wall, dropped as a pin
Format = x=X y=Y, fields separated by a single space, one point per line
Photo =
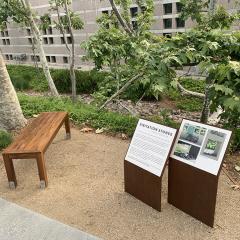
x=16 y=41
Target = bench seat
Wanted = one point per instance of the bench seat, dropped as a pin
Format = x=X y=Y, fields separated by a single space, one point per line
x=33 y=142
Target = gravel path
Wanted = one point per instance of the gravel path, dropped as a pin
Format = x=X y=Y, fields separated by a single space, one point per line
x=86 y=191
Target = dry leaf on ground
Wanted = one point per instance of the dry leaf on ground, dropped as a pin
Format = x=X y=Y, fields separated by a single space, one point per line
x=237 y=168
x=235 y=187
x=124 y=136
x=99 y=130
x=86 y=130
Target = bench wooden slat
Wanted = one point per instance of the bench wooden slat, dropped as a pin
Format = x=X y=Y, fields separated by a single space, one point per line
x=33 y=141
x=38 y=135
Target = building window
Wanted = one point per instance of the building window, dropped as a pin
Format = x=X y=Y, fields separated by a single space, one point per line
x=11 y=57
x=44 y=31
x=6 y=41
x=48 y=58
x=65 y=59
x=69 y=40
x=168 y=35
x=67 y=29
x=180 y=23
x=35 y=58
x=50 y=40
x=7 y=57
x=105 y=12
x=2 y=33
x=30 y=40
x=167 y=8
x=53 y=59
x=62 y=40
x=179 y=7
x=134 y=12
x=6 y=34
x=167 y=23
x=50 y=31
x=28 y=31
x=45 y=40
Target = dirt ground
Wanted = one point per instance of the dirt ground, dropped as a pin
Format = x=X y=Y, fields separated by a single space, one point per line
x=86 y=190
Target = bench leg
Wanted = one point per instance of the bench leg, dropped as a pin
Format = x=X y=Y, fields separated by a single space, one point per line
x=42 y=170
x=67 y=127
x=10 y=171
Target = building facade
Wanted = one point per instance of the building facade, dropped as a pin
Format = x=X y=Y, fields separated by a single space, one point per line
x=16 y=43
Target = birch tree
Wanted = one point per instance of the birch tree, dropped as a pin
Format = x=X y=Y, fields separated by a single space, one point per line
x=20 y=11
x=11 y=116
x=68 y=21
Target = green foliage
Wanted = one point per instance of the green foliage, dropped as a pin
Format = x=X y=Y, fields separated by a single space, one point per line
x=21 y=82
x=127 y=55
x=88 y=114
x=235 y=143
x=79 y=113
x=188 y=103
x=26 y=78
x=86 y=81
x=5 y=139
x=163 y=118
x=207 y=15
x=15 y=10
x=75 y=19
x=231 y=120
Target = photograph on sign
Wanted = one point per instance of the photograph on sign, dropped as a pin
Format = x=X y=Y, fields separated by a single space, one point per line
x=150 y=146
x=201 y=146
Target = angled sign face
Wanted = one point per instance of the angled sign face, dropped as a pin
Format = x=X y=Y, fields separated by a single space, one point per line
x=201 y=146
x=150 y=146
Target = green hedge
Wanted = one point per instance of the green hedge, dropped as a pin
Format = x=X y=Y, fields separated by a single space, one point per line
x=84 y=113
x=27 y=77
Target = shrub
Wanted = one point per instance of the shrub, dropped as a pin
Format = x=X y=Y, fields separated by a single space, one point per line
x=21 y=82
x=27 y=77
x=86 y=81
x=5 y=139
x=231 y=120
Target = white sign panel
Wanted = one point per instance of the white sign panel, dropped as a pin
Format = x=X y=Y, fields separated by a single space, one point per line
x=150 y=146
x=201 y=146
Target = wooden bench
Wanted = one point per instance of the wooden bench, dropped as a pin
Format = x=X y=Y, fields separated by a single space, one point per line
x=33 y=142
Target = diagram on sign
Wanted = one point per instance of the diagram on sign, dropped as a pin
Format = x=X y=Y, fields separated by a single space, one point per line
x=201 y=146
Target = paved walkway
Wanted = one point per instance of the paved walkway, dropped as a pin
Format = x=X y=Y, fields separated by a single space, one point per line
x=17 y=223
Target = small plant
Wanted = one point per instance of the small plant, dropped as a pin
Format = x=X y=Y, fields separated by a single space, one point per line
x=5 y=139
x=231 y=120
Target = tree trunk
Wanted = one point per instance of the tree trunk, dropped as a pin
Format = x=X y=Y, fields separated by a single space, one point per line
x=11 y=116
x=72 y=55
x=206 y=103
x=43 y=59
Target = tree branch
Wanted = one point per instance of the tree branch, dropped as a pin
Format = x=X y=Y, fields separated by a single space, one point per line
x=122 y=89
x=120 y=18
x=186 y=92
x=61 y=28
